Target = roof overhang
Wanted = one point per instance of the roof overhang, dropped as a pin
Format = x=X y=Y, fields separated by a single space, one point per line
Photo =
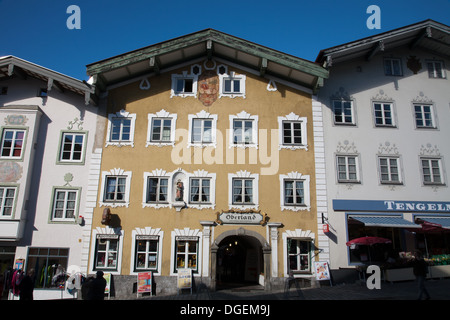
x=11 y=66
x=207 y=44
x=428 y=35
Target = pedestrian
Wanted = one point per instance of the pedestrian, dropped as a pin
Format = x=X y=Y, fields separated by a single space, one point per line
x=26 y=286
x=98 y=287
x=420 y=269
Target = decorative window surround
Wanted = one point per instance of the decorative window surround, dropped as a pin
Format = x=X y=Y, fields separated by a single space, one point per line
x=110 y=232
x=299 y=234
x=241 y=175
x=13 y=142
x=186 y=233
x=294 y=175
x=115 y=204
x=158 y=173
x=76 y=203
x=292 y=117
x=202 y=115
x=66 y=156
x=233 y=92
x=121 y=114
x=192 y=77
x=243 y=115
x=147 y=231
x=163 y=114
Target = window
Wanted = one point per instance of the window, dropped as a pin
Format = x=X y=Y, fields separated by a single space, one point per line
x=384 y=115
x=242 y=131
x=7 y=197
x=392 y=67
x=231 y=85
x=106 y=252
x=431 y=171
x=347 y=168
x=115 y=188
x=64 y=206
x=157 y=190
x=435 y=69
x=12 y=143
x=72 y=147
x=242 y=191
x=202 y=131
x=292 y=132
x=299 y=252
x=294 y=193
x=161 y=128
x=343 y=112
x=185 y=84
x=186 y=253
x=200 y=190
x=147 y=251
x=49 y=265
x=390 y=170
x=424 y=116
x=121 y=129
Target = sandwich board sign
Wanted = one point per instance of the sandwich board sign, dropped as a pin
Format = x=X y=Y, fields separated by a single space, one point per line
x=184 y=279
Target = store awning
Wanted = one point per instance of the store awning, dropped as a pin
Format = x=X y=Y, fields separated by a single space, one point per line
x=442 y=222
x=384 y=221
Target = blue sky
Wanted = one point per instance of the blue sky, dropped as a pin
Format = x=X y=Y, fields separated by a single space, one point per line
x=36 y=30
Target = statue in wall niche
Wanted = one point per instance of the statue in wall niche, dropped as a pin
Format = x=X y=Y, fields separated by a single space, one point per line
x=180 y=188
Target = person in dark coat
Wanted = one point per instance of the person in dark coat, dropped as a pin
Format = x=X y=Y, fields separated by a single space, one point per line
x=420 y=270
x=98 y=286
x=26 y=286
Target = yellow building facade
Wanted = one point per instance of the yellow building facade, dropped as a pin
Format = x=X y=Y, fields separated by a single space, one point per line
x=208 y=163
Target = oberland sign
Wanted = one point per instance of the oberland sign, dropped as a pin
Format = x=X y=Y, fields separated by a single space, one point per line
x=241 y=217
x=391 y=206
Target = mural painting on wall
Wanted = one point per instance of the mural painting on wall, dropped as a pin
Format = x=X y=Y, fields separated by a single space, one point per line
x=208 y=87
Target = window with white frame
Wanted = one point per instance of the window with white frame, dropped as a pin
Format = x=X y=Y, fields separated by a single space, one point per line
x=424 y=116
x=436 y=69
x=186 y=253
x=65 y=204
x=185 y=84
x=347 y=168
x=202 y=129
x=231 y=85
x=106 y=252
x=202 y=189
x=390 y=171
x=244 y=130
x=292 y=132
x=431 y=171
x=72 y=147
x=146 y=253
x=157 y=190
x=299 y=255
x=295 y=192
x=161 y=128
x=115 y=188
x=121 y=129
x=12 y=143
x=343 y=112
x=383 y=114
x=7 y=200
x=243 y=190
x=392 y=67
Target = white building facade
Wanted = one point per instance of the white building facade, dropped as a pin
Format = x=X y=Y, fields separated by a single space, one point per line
x=386 y=110
x=47 y=157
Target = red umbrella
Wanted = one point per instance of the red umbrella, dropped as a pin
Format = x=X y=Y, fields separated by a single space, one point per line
x=368 y=241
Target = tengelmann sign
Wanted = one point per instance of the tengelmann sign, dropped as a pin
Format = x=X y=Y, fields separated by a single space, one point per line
x=241 y=217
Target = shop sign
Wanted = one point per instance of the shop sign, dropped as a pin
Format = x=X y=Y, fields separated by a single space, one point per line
x=391 y=206
x=242 y=217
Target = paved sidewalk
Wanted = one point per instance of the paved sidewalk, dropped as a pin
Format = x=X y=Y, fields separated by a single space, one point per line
x=408 y=290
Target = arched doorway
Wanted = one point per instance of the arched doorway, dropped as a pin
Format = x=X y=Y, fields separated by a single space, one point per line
x=239 y=261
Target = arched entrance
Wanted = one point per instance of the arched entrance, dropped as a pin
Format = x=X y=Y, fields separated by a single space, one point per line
x=239 y=261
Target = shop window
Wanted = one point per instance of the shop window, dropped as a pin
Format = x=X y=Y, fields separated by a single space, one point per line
x=299 y=255
x=50 y=265
x=12 y=143
x=72 y=147
x=186 y=252
x=146 y=253
x=7 y=200
x=106 y=252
